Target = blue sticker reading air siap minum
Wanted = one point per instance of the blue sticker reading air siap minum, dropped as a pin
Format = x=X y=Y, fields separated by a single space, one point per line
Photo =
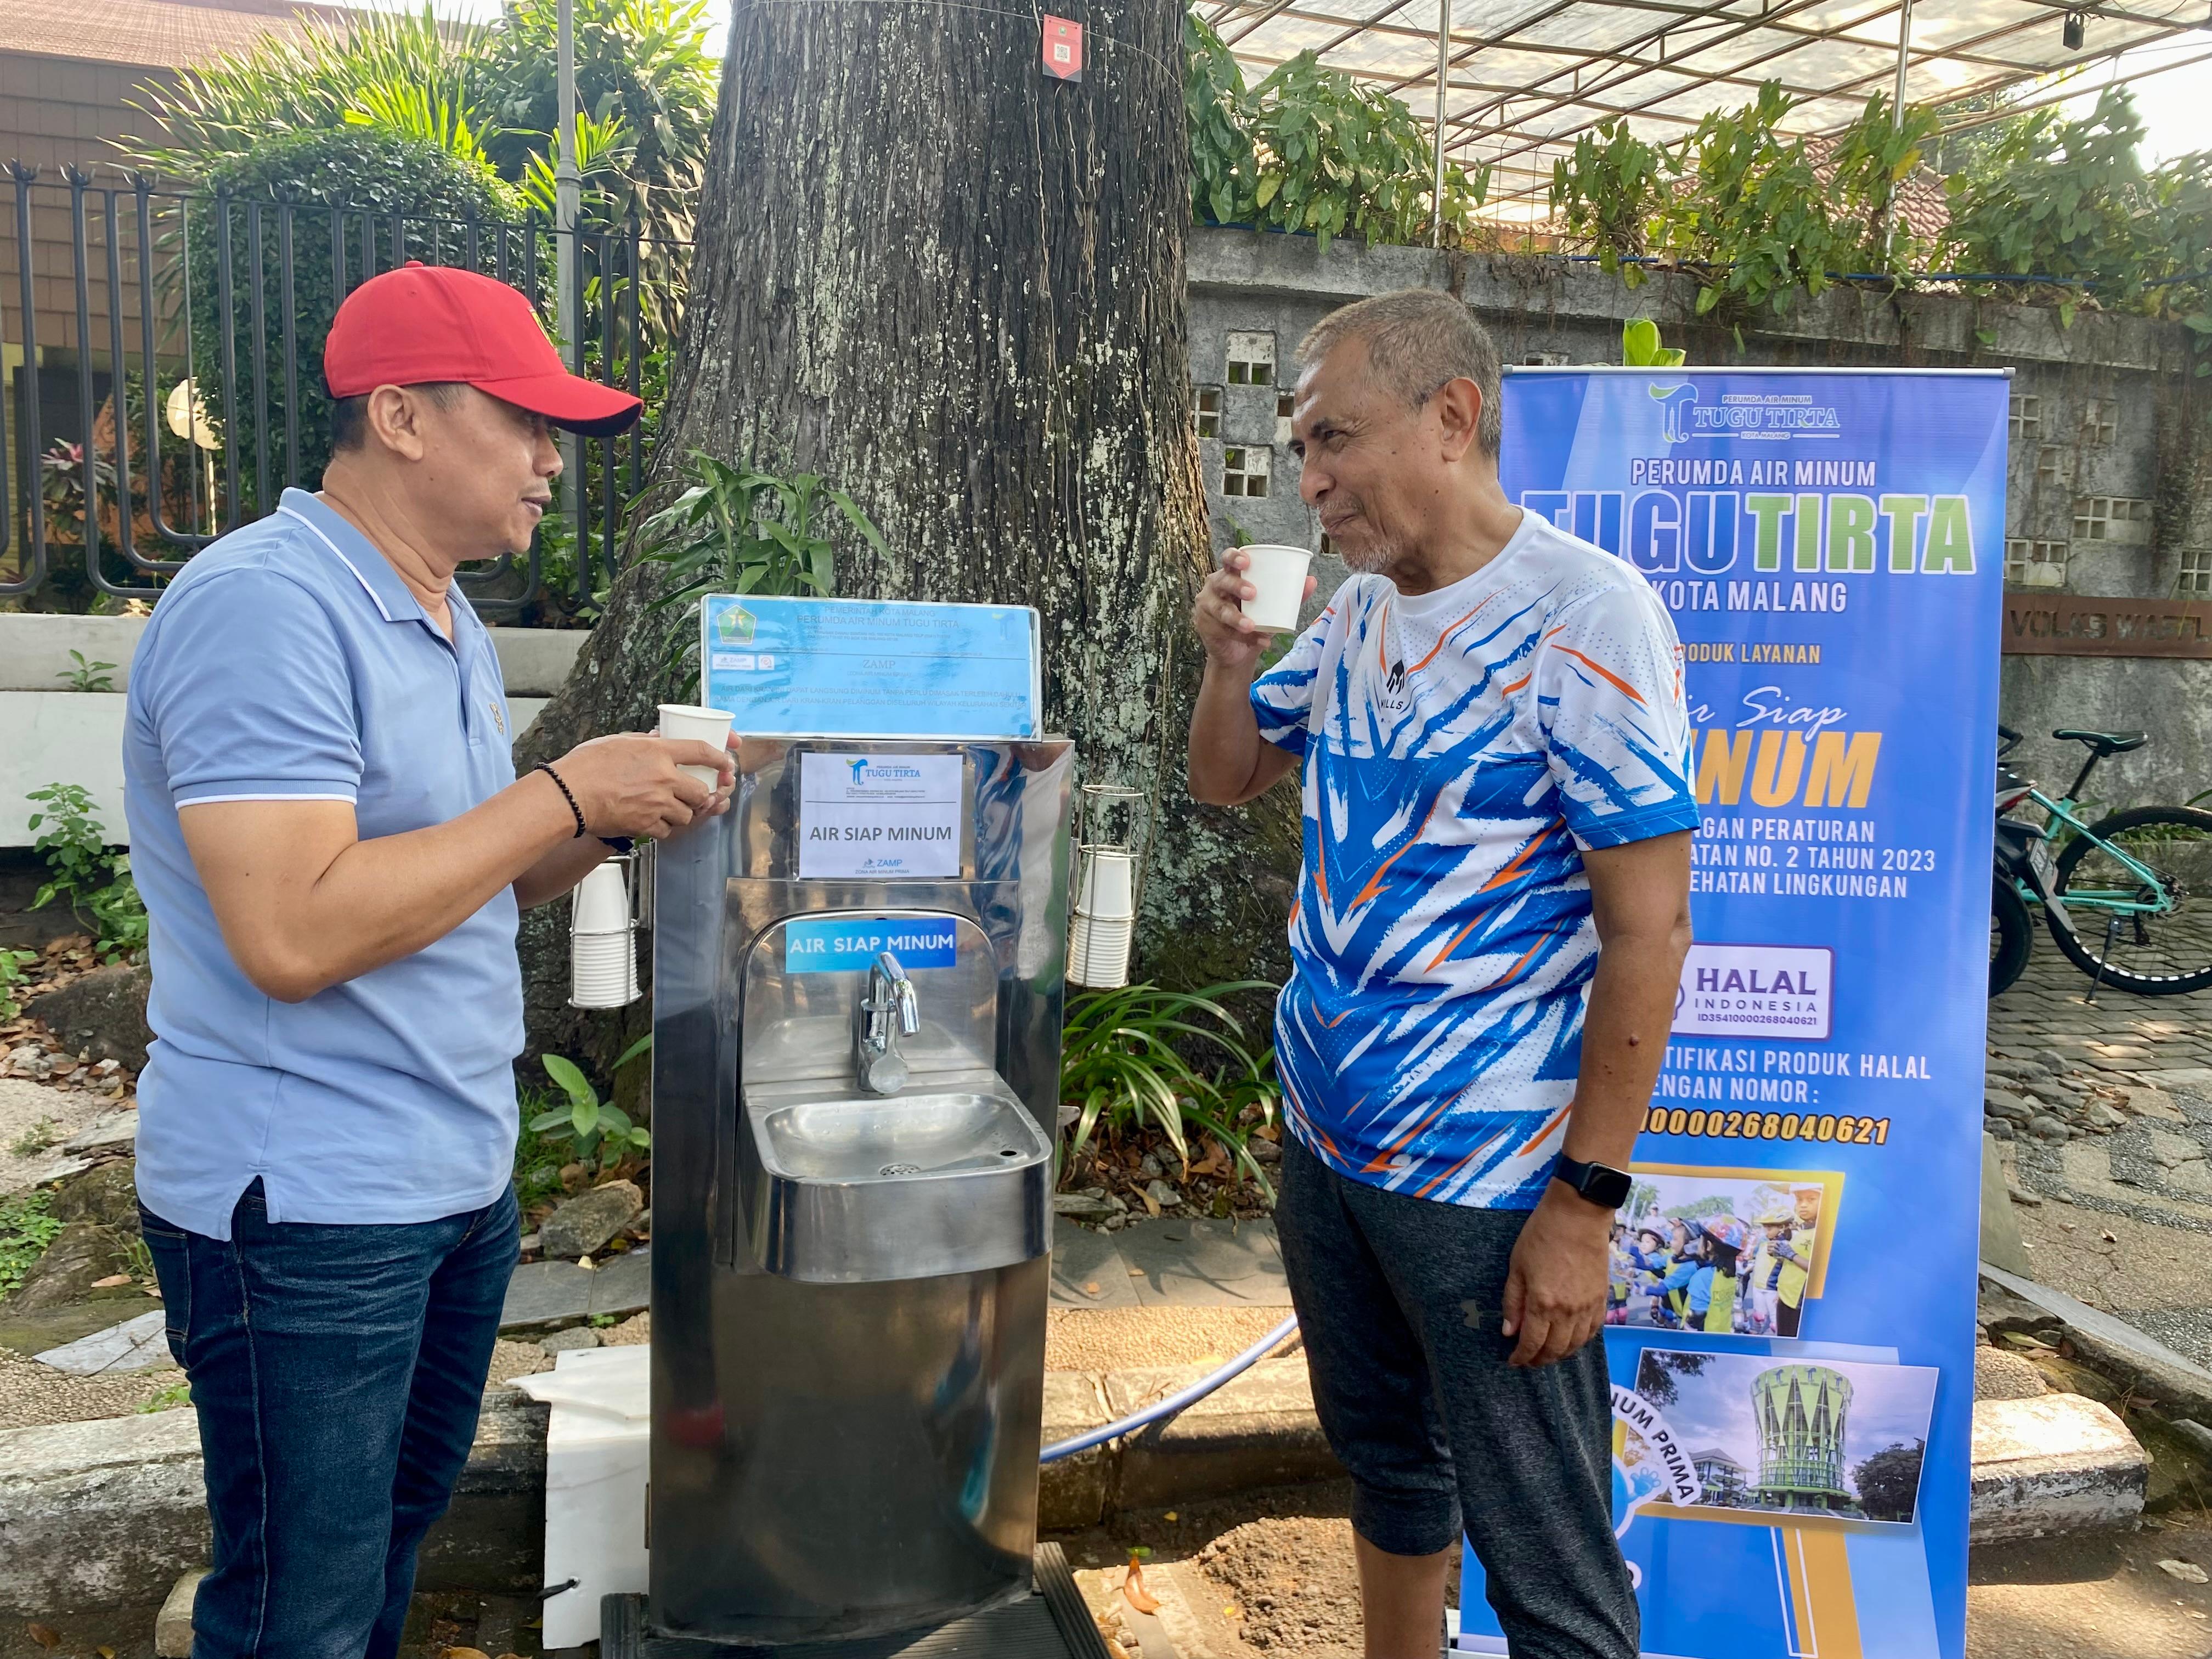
x=853 y=942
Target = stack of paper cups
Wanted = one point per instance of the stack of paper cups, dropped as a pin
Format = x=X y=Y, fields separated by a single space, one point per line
x=602 y=946
x=1105 y=919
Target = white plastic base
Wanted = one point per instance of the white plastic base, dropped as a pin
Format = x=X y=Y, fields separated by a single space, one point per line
x=595 y=1474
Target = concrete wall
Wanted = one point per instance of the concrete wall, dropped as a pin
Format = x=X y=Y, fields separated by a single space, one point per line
x=2090 y=406
x=49 y=733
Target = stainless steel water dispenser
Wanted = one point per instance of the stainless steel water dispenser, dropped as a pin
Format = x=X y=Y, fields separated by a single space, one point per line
x=855 y=1085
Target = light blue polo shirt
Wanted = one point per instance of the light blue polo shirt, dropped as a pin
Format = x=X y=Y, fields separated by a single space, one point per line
x=289 y=662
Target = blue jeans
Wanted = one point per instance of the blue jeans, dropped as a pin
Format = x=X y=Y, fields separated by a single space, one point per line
x=338 y=1372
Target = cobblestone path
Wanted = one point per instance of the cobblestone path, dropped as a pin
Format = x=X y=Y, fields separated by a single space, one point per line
x=2106 y=1109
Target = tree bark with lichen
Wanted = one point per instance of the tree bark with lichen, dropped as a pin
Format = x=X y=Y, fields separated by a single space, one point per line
x=954 y=285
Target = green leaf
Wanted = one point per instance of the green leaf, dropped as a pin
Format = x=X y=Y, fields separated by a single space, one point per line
x=545 y=1121
x=571 y=1081
x=584 y=1118
x=635 y=1049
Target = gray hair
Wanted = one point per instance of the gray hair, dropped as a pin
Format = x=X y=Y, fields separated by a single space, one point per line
x=1418 y=340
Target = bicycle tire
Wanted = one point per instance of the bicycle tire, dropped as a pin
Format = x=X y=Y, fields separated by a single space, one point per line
x=2182 y=952
x=2013 y=937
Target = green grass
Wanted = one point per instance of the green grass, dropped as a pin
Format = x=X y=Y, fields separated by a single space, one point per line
x=25 y=1229
x=177 y=1394
x=537 y=1158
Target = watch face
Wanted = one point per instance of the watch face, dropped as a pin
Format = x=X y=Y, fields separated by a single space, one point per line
x=1605 y=1186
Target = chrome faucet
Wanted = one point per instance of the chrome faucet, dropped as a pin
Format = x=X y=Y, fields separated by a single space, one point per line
x=887 y=1012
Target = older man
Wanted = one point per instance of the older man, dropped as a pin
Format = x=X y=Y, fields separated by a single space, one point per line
x=333 y=845
x=1485 y=947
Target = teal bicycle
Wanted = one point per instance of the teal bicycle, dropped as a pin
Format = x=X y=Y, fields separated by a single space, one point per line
x=2128 y=898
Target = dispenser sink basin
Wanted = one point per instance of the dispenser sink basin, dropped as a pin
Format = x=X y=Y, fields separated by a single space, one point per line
x=942 y=1177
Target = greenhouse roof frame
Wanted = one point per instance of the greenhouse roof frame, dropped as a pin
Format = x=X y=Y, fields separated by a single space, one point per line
x=1521 y=78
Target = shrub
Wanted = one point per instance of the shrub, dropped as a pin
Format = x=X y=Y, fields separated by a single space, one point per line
x=370 y=169
x=1134 y=1059
x=1311 y=149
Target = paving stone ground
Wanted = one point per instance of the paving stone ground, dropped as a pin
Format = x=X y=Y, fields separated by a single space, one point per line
x=2106 y=1109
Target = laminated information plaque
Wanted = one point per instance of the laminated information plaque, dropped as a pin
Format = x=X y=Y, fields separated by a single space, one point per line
x=799 y=667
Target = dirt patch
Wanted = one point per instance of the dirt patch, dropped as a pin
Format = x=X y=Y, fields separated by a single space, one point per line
x=32 y=1393
x=512 y=1359
x=1297 y=1583
x=2095 y=1596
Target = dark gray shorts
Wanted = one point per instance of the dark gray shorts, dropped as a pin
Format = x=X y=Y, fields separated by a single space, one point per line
x=1398 y=1299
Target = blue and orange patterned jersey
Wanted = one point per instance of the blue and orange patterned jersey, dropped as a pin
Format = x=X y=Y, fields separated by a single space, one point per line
x=1461 y=749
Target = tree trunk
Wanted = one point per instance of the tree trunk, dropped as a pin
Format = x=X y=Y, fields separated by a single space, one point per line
x=954 y=286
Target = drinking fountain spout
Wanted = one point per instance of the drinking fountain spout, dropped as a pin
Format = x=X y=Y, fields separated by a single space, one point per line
x=887 y=1012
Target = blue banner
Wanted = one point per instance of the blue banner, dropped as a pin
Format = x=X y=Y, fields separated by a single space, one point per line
x=1791 y=1324
x=800 y=667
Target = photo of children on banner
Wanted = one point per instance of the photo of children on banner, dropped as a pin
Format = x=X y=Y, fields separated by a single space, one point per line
x=1833 y=1439
x=1721 y=1252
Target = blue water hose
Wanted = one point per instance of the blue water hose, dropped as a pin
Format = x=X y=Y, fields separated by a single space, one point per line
x=1175 y=1402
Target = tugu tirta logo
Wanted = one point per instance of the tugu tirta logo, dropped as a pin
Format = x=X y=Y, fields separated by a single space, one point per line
x=1674 y=402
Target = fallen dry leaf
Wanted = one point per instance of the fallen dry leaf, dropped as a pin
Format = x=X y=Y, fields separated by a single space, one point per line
x=1091 y=1288
x=48 y=1637
x=1114 y=1649
x=1151 y=1205
x=104 y=1653
x=467 y=1653
x=1134 y=1591
x=111 y=1281
x=2188 y=1571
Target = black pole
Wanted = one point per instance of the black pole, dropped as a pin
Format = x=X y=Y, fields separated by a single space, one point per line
x=34 y=478
x=80 y=258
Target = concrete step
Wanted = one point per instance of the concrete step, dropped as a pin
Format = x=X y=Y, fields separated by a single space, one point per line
x=2054 y=1463
x=108 y=1513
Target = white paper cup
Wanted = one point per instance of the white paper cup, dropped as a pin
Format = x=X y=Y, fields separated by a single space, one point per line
x=603 y=901
x=1279 y=574
x=709 y=725
x=1108 y=884
x=1099 y=952
x=598 y=955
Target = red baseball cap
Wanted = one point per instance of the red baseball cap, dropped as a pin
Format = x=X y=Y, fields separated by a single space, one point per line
x=424 y=322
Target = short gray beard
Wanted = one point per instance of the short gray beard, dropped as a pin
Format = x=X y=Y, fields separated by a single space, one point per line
x=1371 y=561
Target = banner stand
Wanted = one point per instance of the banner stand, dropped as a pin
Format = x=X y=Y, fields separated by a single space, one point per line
x=1791 y=1324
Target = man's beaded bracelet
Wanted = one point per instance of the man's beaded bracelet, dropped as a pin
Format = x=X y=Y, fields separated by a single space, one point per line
x=546 y=767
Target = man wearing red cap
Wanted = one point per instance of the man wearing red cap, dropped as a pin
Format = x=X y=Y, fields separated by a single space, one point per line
x=334 y=848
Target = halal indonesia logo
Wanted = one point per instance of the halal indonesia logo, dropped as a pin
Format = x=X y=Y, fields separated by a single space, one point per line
x=1762 y=417
x=1757 y=990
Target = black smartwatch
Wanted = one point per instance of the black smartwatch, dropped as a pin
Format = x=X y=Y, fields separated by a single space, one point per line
x=621 y=843
x=1601 y=1183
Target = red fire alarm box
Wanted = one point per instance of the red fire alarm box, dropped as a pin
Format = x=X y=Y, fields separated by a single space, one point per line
x=1063 y=49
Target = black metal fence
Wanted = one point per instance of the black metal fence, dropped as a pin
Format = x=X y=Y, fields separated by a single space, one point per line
x=161 y=375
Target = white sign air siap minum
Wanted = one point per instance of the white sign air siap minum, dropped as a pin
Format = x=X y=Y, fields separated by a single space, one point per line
x=880 y=816
x=1756 y=990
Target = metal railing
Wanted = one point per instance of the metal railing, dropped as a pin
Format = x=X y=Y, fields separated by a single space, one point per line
x=160 y=384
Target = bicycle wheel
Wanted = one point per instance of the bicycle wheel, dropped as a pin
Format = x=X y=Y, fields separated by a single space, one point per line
x=2012 y=934
x=2161 y=952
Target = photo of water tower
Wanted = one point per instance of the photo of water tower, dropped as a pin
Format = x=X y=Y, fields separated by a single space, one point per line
x=1839 y=1439
x=1802 y=1412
